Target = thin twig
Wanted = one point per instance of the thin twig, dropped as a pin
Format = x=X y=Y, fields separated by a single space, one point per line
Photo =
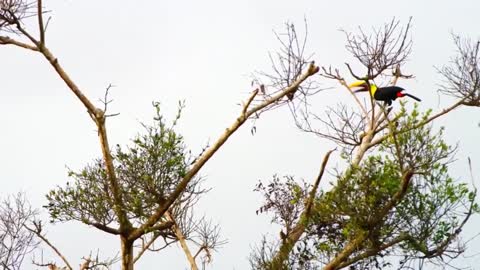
x=41 y=29
x=4 y=40
x=38 y=233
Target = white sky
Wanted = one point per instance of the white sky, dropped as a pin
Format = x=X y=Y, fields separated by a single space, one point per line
x=203 y=52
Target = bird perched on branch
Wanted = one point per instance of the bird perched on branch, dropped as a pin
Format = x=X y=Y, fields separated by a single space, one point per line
x=386 y=94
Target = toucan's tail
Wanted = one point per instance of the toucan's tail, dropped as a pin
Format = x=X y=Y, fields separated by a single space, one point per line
x=412 y=96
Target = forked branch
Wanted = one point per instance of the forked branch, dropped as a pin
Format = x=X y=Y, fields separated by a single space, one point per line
x=297 y=231
x=37 y=230
x=244 y=116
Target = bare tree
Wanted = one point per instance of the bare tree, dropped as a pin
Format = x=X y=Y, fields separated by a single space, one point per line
x=16 y=241
x=22 y=234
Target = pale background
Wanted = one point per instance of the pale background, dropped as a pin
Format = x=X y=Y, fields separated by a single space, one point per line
x=203 y=52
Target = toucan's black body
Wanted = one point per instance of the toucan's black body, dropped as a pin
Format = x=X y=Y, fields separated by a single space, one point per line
x=386 y=94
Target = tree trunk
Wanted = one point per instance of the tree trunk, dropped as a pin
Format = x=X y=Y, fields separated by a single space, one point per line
x=127 y=253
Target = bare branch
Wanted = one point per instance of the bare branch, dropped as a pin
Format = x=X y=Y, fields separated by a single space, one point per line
x=208 y=239
x=12 y=12
x=38 y=232
x=386 y=48
x=99 y=118
x=102 y=227
x=213 y=149
x=249 y=101
x=15 y=241
x=147 y=246
x=313 y=192
x=94 y=263
x=181 y=238
x=342 y=125
x=373 y=252
x=328 y=73
x=4 y=40
x=349 y=249
x=462 y=76
x=97 y=115
x=41 y=28
x=293 y=235
x=287 y=65
x=422 y=123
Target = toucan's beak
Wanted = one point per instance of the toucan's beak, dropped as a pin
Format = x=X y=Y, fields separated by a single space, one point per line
x=361 y=84
x=364 y=89
x=358 y=83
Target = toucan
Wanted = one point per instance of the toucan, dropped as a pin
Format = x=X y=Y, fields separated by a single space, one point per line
x=387 y=94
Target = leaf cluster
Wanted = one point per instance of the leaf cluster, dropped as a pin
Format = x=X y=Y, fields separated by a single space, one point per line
x=368 y=202
x=147 y=171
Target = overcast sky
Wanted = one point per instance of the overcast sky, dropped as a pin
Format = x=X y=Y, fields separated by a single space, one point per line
x=202 y=52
